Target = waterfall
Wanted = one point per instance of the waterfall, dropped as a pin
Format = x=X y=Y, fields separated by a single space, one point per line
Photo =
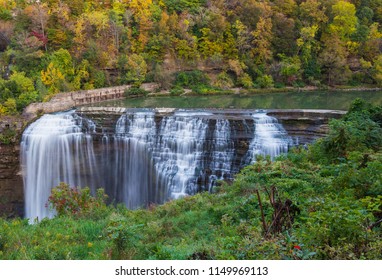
x=178 y=153
x=135 y=136
x=270 y=138
x=53 y=150
x=146 y=158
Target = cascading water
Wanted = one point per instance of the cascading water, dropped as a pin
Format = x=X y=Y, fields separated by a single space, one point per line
x=270 y=138
x=147 y=158
x=178 y=153
x=54 y=150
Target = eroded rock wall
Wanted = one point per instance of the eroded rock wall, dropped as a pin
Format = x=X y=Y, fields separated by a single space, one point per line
x=11 y=182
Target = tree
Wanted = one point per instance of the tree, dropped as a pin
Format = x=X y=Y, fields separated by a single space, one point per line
x=312 y=12
x=290 y=69
x=82 y=75
x=377 y=70
x=133 y=69
x=262 y=41
x=370 y=48
x=38 y=13
x=209 y=46
x=24 y=84
x=344 y=21
x=181 y=5
x=53 y=78
x=142 y=23
x=308 y=48
x=242 y=36
x=284 y=34
x=333 y=61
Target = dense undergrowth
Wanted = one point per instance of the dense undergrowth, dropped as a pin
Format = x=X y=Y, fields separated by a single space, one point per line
x=323 y=202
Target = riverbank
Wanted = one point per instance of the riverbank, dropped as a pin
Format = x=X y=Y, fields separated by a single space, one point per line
x=254 y=91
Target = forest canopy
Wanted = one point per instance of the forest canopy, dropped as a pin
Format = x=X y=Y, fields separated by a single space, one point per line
x=50 y=46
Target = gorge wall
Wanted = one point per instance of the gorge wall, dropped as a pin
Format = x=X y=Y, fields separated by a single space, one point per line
x=11 y=182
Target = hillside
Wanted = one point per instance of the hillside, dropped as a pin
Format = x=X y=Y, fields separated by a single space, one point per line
x=50 y=46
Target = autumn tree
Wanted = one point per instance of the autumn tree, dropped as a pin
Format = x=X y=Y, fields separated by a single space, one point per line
x=133 y=69
x=333 y=61
x=59 y=73
x=262 y=36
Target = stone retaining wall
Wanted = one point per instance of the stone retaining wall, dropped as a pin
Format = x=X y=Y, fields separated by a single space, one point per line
x=67 y=100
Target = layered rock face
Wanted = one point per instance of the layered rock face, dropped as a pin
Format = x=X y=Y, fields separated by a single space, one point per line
x=11 y=182
x=305 y=126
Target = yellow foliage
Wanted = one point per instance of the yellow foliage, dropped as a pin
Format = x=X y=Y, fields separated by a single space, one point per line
x=262 y=40
x=365 y=64
x=52 y=77
x=99 y=19
x=378 y=70
x=374 y=31
x=140 y=7
x=352 y=46
x=7 y=4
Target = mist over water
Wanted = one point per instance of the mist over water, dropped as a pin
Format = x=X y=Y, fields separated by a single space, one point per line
x=147 y=158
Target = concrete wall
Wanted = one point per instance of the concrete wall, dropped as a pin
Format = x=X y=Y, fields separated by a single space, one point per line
x=67 y=100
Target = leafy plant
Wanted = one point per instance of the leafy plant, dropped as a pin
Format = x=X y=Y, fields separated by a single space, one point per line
x=76 y=202
x=135 y=91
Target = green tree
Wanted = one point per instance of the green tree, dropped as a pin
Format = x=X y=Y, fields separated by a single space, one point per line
x=23 y=83
x=134 y=69
x=290 y=69
x=345 y=20
x=377 y=70
x=53 y=78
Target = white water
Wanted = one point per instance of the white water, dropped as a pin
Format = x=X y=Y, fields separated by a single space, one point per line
x=53 y=150
x=270 y=138
x=148 y=159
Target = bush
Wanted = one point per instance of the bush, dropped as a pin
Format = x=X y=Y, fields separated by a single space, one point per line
x=177 y=90
x=8 y=136
x=264 y=81
x=190 y=79
x=76 y=202
x=135 y=91
x=245 y=81
x=224 y=81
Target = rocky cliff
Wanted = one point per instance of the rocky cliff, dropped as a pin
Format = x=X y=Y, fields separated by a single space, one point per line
x=11 y=182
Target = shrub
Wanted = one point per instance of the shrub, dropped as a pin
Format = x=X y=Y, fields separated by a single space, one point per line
x=76 y=202
x=245 y=81
x=264 y=81
x=224 y=81
x=8 y=136
x=177 y=90
x=190 y=79
x=135 y=91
